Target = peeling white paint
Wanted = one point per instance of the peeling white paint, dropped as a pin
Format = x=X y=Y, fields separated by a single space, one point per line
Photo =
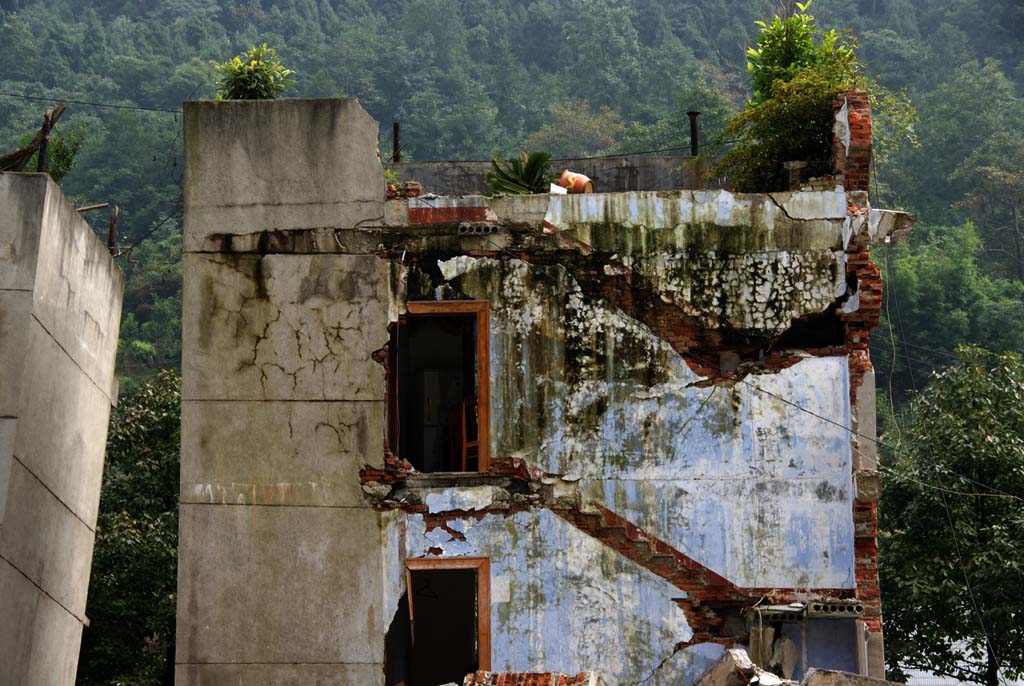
x=734 y=477
x=392 y=564
x=841 y=127
x=813 y=204
x=550 y=581
x=455 y=267
x=466 y=499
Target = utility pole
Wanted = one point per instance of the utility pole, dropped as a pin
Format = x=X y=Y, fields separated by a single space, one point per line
x=694 y=145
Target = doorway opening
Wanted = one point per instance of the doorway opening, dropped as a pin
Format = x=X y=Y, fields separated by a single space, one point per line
x=439 y=389
x=446 y=634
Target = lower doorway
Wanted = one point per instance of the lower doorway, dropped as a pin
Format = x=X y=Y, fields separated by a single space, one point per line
x=447 y=634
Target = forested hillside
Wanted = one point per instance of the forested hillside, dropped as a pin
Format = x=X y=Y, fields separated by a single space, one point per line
x=469 y=78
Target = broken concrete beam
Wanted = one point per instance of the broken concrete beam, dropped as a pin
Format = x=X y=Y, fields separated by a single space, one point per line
x=734 y=668
x=834 y=677
x=532 y=679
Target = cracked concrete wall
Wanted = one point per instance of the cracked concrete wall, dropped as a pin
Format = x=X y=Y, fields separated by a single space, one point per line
x=280 y=558
x=735 y=478
x=751 y=262
x=60 y=310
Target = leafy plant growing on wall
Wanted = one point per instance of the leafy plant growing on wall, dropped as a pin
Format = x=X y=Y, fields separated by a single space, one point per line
x=528 y=173
x=796 y=71
x=254 y=75
x=785 y=47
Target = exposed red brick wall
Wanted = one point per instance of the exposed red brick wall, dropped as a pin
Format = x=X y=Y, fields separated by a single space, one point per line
x=865 y=521
x=865 y=513
x=852 y=165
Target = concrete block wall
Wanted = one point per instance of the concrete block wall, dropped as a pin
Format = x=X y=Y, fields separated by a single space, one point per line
x=60 y=309
x=280 y=559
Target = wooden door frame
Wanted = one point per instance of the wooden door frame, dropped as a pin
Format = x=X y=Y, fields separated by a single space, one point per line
x=480 y=308
x=482 y=565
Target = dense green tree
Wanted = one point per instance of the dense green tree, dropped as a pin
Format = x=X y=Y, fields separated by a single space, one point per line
x=952 y=520
x=993 y=178
x=796 y=71
x=573 y=129
x=130 y=639
x=938 y=295
x=957 y=118
x=704 y=94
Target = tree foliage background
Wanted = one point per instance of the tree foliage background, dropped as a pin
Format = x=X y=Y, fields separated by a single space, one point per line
x=954 y=509
x=472 y=79
x=130 y=640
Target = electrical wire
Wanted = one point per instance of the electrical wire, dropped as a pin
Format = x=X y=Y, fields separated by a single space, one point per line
x=88 y=103
x=173 y=213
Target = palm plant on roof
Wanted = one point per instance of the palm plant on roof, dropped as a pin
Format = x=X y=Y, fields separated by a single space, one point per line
x=528 y=173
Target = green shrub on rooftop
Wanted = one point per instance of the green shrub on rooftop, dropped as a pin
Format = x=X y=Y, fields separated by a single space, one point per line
x=796 y=71
x=254 y=75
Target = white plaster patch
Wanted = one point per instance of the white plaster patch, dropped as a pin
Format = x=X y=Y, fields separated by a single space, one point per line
x=392 y=563
x=460 y=525
x=853 y=304
x=841 y=127
x=436 y=537
x=500 y=589
x=456 y=266
x=813 y=204
x=466 y=499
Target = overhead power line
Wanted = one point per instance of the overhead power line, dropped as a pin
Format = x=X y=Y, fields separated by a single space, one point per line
x=88 y=103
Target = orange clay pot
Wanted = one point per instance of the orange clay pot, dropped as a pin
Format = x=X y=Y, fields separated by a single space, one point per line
x=575 y=182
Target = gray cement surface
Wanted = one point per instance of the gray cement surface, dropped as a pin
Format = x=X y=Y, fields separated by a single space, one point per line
x=60 y=310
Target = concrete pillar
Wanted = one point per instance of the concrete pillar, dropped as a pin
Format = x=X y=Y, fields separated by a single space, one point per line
x=280 y=558
x=60 y=311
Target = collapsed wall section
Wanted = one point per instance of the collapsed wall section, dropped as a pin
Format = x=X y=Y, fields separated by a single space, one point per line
x=60 y=308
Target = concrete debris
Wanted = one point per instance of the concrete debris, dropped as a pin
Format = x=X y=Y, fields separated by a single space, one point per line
x=761 y=639
x=532 y=679
x=735 y=668
x=784 y=656
x=834 y=677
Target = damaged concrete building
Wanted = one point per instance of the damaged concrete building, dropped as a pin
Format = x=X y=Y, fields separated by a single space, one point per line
x=605 y=434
